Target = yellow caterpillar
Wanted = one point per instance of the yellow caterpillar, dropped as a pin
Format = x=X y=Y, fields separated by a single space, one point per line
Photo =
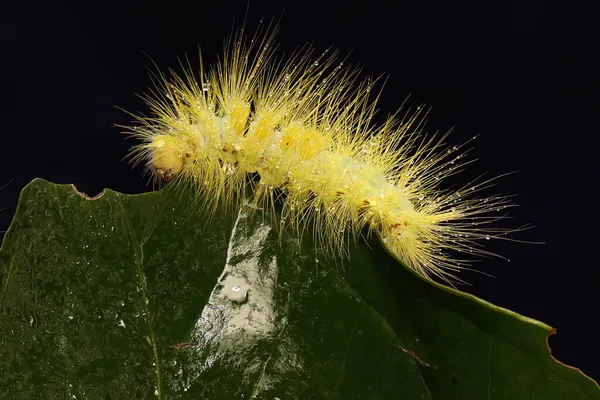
x=300 y=130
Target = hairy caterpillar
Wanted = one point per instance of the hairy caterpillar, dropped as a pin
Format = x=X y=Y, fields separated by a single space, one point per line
x=300 y=131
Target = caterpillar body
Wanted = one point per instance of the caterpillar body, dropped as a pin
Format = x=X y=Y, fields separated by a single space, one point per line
x=300 y=131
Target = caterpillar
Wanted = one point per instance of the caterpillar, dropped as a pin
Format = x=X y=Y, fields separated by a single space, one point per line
x=300 y=132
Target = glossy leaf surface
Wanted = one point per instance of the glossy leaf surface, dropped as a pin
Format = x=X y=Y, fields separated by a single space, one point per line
x=131 y=297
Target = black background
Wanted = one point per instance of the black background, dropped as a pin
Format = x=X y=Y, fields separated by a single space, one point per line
x=522 y=73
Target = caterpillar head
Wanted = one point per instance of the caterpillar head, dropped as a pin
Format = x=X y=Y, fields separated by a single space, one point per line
x=169 y=157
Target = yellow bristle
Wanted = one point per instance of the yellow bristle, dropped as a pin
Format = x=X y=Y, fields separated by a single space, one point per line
x=305 y=127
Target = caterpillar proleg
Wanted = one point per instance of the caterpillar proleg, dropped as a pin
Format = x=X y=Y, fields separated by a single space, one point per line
x=300 y=131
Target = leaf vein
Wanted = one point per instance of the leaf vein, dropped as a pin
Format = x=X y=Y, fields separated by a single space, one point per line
x=139 y=265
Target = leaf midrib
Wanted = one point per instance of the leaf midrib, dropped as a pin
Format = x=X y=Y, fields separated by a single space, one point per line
x=139 y=262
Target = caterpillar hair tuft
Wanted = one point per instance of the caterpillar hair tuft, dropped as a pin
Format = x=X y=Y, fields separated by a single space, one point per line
x=300 y=131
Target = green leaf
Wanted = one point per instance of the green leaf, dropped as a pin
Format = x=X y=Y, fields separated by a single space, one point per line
x=131 y=297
